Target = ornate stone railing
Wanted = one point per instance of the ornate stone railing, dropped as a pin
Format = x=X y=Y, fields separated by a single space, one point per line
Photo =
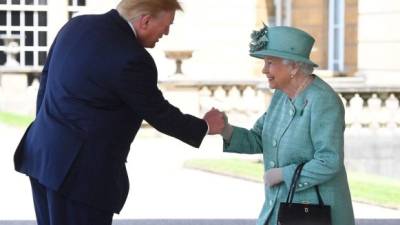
x=372 y=112
x=243 y=99
x=246 y=99
x=371 y=106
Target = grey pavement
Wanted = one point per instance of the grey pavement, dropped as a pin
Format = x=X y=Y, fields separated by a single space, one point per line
x=205 y=222
x=162 y=190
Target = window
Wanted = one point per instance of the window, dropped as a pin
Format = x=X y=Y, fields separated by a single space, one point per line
x=42 y=18
x=81 y=2
x=29 y=18
x=29 y=58
x=42 y=38
x=3 y=18
x=15 y=18
x=336 y=35
x=281 y=12
x=27 y=26
x=74 y=6
x=28 y=38
x=42 y=57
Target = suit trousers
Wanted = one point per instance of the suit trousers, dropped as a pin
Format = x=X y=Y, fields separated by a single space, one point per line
x=53 y=208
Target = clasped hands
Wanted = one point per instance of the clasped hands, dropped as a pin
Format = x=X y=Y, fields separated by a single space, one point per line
x=218 y=123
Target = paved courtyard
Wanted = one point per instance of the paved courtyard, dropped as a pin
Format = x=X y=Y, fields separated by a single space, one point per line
x=162 y=190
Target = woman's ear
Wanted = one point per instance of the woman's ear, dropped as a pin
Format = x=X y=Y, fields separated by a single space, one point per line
x=294 y=69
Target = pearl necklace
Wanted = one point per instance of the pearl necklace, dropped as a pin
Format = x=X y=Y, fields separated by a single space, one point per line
x=307 y=80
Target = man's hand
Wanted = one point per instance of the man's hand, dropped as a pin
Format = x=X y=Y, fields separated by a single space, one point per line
x=215 y=121
x=273 y=177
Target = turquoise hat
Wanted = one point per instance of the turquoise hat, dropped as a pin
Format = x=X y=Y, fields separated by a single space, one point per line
x=283 y=42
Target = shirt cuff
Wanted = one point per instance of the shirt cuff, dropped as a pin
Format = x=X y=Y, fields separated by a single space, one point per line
x=208 y=127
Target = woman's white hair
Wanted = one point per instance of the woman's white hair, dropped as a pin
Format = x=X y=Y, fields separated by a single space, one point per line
x=305 y=68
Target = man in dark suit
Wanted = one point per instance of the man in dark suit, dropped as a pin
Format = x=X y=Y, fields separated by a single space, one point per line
x=99 y=83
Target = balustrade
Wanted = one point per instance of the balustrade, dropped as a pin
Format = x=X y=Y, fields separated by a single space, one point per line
x=246 y=99
x=372 y=113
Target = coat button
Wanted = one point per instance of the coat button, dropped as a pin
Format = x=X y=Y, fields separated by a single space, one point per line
x=305 y=183
x=272 y=163
x=291 y=112
x=300 y=185
x=274 y=143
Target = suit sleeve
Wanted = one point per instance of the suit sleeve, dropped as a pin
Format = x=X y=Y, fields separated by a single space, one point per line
x=327 y=134
x=137 y=86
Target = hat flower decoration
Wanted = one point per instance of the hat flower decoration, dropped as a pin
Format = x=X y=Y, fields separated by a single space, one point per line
x=259 y=39
x=283 y=42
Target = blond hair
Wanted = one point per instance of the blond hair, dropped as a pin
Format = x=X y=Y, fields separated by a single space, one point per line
x=131 y=9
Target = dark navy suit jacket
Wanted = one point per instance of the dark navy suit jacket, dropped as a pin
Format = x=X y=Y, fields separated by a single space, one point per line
x=97 y=87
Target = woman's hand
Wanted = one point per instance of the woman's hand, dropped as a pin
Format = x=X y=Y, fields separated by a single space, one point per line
x=228 y=129
x=273 y=177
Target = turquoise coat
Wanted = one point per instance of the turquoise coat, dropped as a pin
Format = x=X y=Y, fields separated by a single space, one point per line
x=309 y=129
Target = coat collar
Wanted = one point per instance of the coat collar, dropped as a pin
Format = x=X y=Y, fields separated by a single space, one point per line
x=122 y=23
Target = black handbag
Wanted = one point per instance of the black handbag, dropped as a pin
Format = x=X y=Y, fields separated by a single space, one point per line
x=303 y=214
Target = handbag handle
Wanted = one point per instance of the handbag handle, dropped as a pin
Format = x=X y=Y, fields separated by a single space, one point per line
x=295 y=180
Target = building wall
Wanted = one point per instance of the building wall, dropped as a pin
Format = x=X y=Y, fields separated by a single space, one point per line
x=379 y=41
x=312 y=16
x=218 y=33
x=351 y=37
x=263 y=13
x=58 y=16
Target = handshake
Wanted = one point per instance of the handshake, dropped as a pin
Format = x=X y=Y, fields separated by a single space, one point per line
x=218 y=123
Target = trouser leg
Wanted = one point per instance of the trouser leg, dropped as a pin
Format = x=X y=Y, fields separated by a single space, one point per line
x=53 y=208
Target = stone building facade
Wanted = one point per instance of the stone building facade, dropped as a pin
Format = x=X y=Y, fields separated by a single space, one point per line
x=333 y=23
x=353 y=37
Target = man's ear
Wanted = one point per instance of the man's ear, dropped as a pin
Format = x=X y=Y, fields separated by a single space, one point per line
x=144 y=21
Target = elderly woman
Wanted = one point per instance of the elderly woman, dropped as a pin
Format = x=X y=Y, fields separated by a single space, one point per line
x=303 y=124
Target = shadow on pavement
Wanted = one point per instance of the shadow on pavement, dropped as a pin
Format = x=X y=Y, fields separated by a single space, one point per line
x=205 y=222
